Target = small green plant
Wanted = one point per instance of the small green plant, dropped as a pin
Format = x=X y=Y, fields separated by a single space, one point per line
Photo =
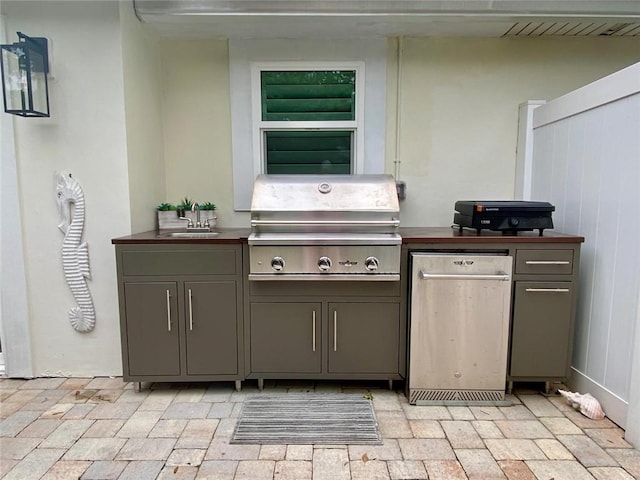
x=166 y=207
x=186 y=204
x=207 y=206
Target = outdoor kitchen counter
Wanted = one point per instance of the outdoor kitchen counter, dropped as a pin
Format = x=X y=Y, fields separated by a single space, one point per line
x=167 y=284
x=453 y=235
x=226 y=235
x=409 y=235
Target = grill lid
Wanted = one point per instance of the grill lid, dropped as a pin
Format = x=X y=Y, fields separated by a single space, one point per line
x=324 y=204
x=325 y=193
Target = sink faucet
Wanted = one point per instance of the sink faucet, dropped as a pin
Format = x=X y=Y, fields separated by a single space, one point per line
x=196 y=208
x=198 y=227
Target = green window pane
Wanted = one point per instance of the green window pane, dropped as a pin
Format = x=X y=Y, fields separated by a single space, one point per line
x=303 y=152
x=308 y=95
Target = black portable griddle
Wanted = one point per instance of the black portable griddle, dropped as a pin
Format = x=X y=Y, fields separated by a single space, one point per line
x=506 y=216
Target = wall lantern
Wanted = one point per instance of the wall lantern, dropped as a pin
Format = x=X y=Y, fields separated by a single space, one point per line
x=25 y=65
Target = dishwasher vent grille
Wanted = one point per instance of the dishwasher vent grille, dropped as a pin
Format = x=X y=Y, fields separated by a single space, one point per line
x=420 y=395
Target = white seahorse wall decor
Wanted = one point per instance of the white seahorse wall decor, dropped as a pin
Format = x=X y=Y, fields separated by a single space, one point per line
x=75 y=254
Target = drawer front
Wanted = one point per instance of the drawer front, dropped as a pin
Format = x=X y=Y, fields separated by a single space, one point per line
x=219 y=261
x=338 y=288
x=548 y=262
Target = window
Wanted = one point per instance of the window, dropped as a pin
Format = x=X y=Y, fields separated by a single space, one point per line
x=308 y=118
x=249 y=57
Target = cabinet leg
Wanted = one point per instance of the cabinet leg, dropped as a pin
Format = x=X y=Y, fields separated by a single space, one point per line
x=510 y=387
x=547 y=388
x=138 y=387
x=260 y=384
x=390 y=384
x=238 y=385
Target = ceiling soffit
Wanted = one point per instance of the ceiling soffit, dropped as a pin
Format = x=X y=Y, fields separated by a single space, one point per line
x=366 y=18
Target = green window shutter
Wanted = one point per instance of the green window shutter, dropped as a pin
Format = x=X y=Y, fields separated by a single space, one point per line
x=308 y=95
x=308 y=152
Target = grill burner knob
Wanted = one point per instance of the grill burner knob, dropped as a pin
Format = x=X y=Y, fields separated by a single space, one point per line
x=371 y=264
x=277 y=263
x=513 y=221
x=324 y=263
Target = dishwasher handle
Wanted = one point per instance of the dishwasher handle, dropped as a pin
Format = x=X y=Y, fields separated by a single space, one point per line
x=464 y=276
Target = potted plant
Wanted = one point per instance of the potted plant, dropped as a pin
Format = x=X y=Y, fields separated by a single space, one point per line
x=169 y=214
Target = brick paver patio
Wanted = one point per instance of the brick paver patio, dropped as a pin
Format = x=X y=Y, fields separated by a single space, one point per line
x=101 y=428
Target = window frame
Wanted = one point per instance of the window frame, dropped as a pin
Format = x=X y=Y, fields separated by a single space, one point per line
x=260 y=126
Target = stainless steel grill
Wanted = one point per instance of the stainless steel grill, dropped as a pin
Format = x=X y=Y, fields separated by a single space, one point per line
x=324 y=227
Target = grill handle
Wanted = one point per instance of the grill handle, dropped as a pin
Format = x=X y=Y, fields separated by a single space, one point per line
x=286 y=223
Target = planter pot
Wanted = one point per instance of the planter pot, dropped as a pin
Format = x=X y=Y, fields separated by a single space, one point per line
x=169 y=219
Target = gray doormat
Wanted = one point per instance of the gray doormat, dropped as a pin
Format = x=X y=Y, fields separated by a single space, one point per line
x=307 y=418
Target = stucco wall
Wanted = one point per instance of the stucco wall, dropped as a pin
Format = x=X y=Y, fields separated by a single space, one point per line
x=459 y=102
x=143 y=115
x=197 y=125
x=459 y=110
x=86 y=137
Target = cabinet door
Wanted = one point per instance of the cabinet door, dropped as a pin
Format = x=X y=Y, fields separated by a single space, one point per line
x=153 y=340
x=285 y=338
x=541 y=329
x=212 y=335
x=364 y=337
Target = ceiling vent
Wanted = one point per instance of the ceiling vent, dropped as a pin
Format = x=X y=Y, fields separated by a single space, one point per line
x=574 y=29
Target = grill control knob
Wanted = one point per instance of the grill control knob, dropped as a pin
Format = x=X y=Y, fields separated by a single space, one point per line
x=324 y=263
x=277 y=263
x=371 y=264
x=513 y=221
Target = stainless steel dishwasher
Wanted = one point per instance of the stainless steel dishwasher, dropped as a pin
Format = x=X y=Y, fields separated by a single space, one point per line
x=459 y=335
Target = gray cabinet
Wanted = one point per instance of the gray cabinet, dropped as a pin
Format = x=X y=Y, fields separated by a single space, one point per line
x=364 y=337
x=151 y=327
x=211 y=333
x=544 y=300
x=324 y=330
x=286 y=337
x=177 y=325
x=541 y=325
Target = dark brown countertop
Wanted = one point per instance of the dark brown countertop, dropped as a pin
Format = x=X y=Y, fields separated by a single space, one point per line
x=453 y=235
x=226 y=235
x=409 y=235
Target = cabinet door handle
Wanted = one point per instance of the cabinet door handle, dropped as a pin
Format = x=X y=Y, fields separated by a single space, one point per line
x=190 y=312
x=547 y=262
x=335 y=330
x=313 y=327
x=548 y=290
x=168 y=311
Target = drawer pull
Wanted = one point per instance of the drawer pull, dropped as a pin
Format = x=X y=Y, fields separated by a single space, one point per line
x=313 y=332
x=168 y=311
x=548 y=290
x=190 y=312
x=547 y=262
x=335 y=330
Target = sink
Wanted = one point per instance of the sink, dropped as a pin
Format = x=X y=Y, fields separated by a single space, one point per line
x=191 y=234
